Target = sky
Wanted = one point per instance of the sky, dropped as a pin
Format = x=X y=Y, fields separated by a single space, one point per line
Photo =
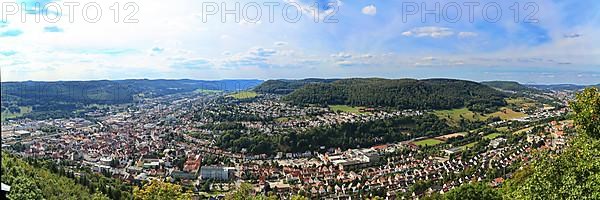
x=534 y=41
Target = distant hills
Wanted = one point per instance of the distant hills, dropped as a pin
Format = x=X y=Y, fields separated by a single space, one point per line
x=399 y=93
x=518 y=87
x=561 y=87
x=118 y=91
x=510 y=86
x=287 y=86
x=54 y=98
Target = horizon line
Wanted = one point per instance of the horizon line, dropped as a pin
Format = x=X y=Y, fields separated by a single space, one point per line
x=263 y=80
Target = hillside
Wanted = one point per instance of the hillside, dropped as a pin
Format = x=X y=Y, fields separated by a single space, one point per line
x=401 y=93
x=287 y=86
x=60 y=98
x=509 y=86
x=46 y=180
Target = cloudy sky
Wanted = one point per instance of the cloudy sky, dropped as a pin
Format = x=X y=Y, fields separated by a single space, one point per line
x=547 y=41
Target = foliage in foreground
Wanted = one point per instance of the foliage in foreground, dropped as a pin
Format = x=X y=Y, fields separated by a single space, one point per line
x=245 y=192
x=29 y=182
x=473 y=191
x=158 y=190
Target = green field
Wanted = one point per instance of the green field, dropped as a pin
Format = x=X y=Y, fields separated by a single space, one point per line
x=455 y=115
x=244 y=95
x=503 y=129
x=428 y=142
x=522 y=102
x=470 y=145
x=282 y=119
x=344 y=108
x=492 y=136
x=507 y=114
x=8 y=115
x=523 y=130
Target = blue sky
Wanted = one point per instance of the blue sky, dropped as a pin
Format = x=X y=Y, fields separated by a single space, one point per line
x=559 y=43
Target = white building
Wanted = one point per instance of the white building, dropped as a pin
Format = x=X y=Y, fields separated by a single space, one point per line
x=217 y=173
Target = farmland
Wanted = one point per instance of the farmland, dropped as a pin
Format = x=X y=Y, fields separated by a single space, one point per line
x=344 y=108
x=428 y=142
x=244 y=95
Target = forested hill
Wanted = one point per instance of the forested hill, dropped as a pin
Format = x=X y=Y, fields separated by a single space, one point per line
x=402 y=93
x=105 y=91
x=287 y=86
x=509 y=86
x=56 y=99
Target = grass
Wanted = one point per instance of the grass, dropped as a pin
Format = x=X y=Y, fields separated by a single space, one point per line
x=344 y=108
x=503 y=129
x=455 y=115
x=523 y=130
x=470 y=145
x=244 y=95
x=428 y=142
x=522 y=102
x=8 y=115
x=492 y=136
x=282 y=119
x=507 y=114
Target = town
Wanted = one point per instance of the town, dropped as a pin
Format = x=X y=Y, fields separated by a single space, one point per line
x=175 y=138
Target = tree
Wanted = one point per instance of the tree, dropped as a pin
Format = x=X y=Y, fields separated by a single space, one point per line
x=99 y=196
x=158 y=190
x=243 y=192
x=474 y=191
x=298 y=197
x=587 y=109
x=24 y=188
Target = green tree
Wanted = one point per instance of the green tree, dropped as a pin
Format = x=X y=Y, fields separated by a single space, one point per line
x=243 y=192
x=24 y=188
x=158 y=190
x=99 y=196
x=587 y=109
x=474 y=191
x=298 y=197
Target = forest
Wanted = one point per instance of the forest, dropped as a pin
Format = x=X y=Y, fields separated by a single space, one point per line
x=287 y=86
x=511 y=86
x=402 y=94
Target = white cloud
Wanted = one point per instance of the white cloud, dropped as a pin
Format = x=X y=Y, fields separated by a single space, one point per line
x=467 y=34
x=370 y=10
x=429 y=31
